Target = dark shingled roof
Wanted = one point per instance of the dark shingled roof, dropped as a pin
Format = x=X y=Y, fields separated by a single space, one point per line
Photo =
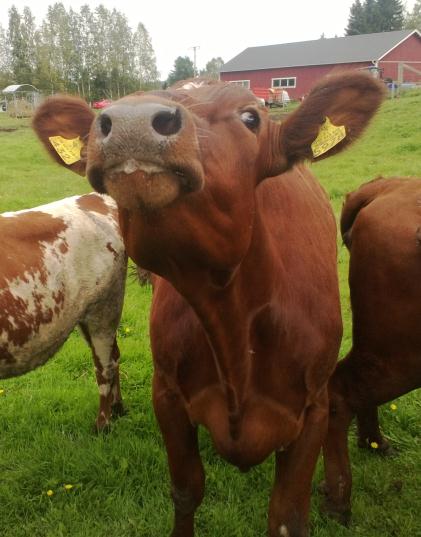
x=354 y=48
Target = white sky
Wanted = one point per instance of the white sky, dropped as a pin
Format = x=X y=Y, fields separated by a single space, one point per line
x=219 y=27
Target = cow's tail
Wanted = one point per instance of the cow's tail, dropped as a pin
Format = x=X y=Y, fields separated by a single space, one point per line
x=357 y=200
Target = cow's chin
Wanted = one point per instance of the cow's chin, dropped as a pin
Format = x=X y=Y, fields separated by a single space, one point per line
x=141 y=190
x=146 y=186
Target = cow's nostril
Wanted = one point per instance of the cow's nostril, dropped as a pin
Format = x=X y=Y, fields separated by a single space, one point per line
x=167 y=122
x=105 y=124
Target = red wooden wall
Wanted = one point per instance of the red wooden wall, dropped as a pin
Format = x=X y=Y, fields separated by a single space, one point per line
x=409 y=52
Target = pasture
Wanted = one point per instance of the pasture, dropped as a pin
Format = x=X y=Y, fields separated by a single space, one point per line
x=118 y=483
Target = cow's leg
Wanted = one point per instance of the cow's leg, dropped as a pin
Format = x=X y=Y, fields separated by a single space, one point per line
x=185 y=465
x=369 y=435
x=338 y=477
x=290 y=499
x=106 y=357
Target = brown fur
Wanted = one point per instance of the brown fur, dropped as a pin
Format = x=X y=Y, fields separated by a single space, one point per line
x=245 y=320
x=380 y=221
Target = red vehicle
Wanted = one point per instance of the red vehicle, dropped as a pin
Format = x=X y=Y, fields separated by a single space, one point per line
x=103 y=103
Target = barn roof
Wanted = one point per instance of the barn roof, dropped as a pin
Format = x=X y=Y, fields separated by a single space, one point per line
x=350 y=49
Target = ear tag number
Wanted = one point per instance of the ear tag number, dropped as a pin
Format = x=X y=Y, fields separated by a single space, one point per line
x=329 y=136
x=68 y=150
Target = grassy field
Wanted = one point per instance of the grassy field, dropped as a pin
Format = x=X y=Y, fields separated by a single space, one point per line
x=120 y=481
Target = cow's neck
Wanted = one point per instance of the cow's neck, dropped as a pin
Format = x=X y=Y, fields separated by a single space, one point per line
x=225 y=300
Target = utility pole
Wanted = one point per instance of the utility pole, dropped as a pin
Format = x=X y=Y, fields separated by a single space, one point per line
x=194 y=59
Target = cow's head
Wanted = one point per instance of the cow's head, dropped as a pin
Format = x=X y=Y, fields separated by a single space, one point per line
x=203 y=149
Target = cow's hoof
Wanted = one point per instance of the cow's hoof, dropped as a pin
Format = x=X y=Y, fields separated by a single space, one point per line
x=118 y=410
x=383 y=448
x=102 y=426
x=340 y=514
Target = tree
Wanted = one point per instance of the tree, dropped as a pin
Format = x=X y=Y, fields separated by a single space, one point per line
x=390 y=15
x=19 y=47
x=183 y=69
x=93 y=53
x=4 y=59
x=375 y=16
x=413 y=19
x=356 y=20
x=213 y=68
x=145 y=61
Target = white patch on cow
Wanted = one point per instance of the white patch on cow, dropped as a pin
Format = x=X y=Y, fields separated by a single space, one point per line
x=103 y=347
x=84 y=271
x=104 y=390
x=192 y=85
x=283 y=531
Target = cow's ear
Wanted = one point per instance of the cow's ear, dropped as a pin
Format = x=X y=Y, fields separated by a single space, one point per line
x=333 y=115
x=62 y=123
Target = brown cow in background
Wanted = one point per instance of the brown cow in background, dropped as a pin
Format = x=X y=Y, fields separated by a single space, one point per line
x=245 y=321
x=381 y=225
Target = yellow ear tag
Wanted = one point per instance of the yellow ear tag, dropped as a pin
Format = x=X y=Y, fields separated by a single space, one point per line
x=69 y=150
x=329 y=136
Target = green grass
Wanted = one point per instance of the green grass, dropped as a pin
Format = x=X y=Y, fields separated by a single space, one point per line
x=121 y=484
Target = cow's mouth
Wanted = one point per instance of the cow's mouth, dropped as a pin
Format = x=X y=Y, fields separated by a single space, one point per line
x=148 y=185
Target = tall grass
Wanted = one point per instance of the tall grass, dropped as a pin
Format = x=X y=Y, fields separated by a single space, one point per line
x=120 y=480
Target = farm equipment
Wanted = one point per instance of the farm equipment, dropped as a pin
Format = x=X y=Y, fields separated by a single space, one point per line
x=272 y=96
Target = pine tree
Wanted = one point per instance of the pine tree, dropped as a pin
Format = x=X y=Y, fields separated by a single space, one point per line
x=375 y=16
x=356 y=19
x=389 y=15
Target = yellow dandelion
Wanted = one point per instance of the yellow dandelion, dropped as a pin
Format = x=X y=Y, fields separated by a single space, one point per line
x=68 y=487
x=393 y=407
x=1 y=392
x=50 y=492
x=127 y=330
x=374 y=445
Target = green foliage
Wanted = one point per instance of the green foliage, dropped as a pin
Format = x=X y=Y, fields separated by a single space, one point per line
x=413 y=18
x=213 y=67
x=183 y=69
x=121 y=484
x=92 y=53
x=373 y=16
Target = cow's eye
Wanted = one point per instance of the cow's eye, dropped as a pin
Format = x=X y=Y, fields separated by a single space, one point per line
x=251 y=119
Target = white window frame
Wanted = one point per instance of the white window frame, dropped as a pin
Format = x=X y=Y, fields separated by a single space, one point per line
x=288 y=86
x=243 y=83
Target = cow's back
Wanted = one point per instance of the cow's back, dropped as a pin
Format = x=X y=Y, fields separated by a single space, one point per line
x=384 y=277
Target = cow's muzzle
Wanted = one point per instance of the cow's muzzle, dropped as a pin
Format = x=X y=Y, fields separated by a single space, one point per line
x=144 y=153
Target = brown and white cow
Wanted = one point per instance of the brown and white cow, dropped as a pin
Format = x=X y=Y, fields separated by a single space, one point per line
x=380 y=224
x=63 y=265
x=245 y=321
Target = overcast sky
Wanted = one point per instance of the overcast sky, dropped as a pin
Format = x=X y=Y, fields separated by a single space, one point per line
x=218 y=27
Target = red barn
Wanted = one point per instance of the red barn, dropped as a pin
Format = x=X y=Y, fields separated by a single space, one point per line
x=296 y=67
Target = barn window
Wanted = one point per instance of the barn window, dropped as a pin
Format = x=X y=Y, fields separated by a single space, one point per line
x=289 y=82
x=244 y=83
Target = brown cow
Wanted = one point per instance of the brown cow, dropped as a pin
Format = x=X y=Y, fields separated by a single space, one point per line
x=380 y=224
x=245 y=320
x=63 y=265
